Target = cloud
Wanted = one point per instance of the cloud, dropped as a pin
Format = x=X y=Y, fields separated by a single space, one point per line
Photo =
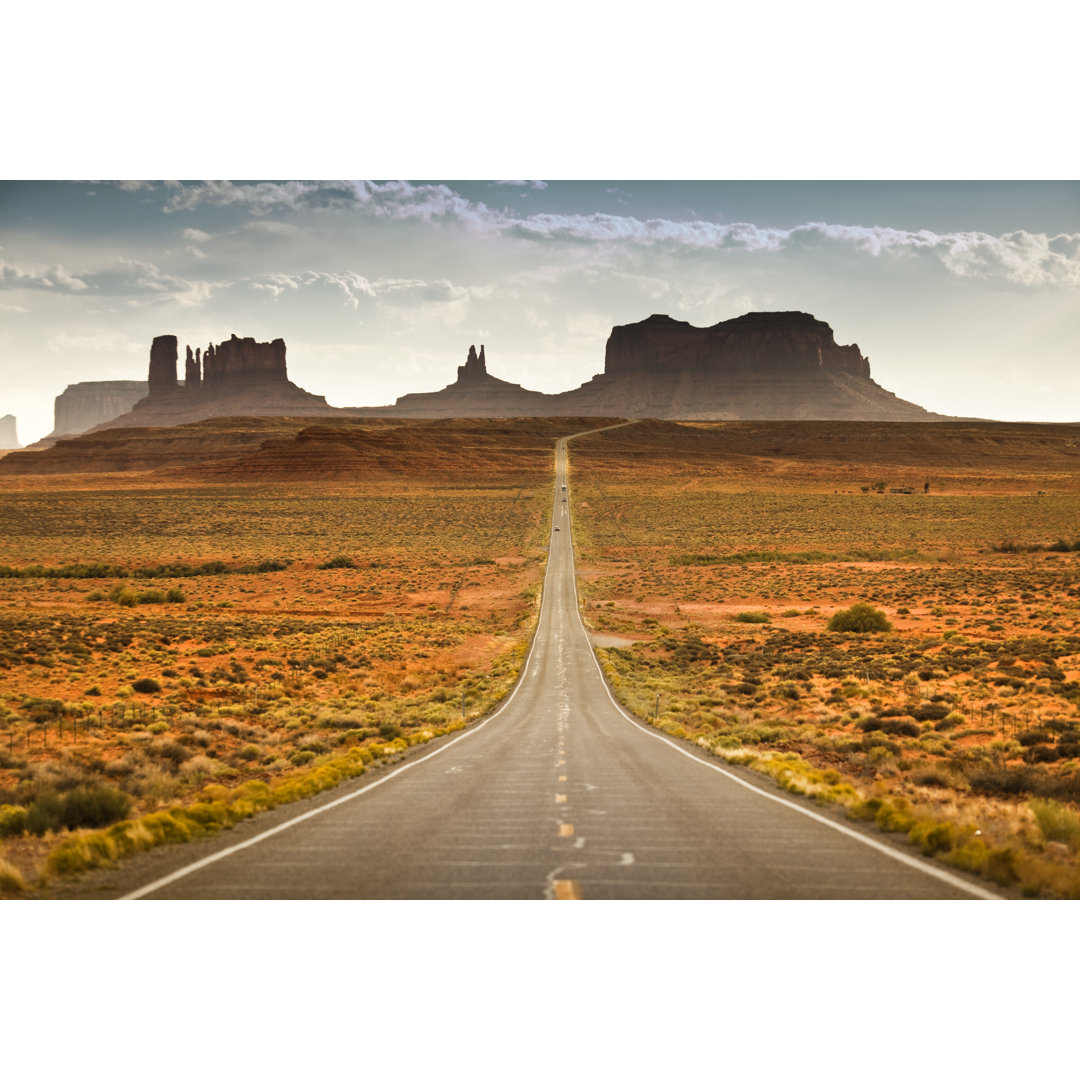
x=353 y=286
x=195 y=234
x=140 y=282
x=261 y=198
x=1032 y=259
x=411 y=293
x=55 y=278
x=1021 y=258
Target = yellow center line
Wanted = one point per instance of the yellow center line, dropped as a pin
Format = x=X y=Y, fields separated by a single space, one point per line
x=567 y=890
x=566 y=830
x=560 y=798
x=562 y=779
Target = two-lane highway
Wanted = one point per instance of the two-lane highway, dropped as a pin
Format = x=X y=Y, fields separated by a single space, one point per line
x=559 y=794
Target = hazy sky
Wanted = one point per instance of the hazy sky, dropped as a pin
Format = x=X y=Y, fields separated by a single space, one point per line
x=964 y=295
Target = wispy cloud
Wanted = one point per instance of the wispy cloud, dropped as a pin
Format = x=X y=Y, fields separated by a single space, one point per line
x=1020 y=257
x=55 y=278
x=353 y=286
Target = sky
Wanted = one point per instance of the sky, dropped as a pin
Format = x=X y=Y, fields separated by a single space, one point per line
x=961 y=287
x=965 y=295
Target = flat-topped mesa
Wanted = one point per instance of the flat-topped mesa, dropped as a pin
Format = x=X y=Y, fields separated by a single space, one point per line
x=86 y=404
x=759 y=342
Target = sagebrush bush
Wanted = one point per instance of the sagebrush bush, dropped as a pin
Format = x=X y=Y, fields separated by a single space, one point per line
x=860 y=618
x=753 y=617
x=1057 y=822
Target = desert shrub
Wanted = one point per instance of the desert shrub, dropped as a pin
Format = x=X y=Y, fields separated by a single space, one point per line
x=930 y=777
x=753 y=617
x=175 y=595
x=93 y=807
x=860 y=618
x=947 y=723
x=890 y=727
x=930 y=711
x=146 y=686
x=338 y=562
x=12 y=820
x=1057 y=822
x=44 y=814
x=1035 y=755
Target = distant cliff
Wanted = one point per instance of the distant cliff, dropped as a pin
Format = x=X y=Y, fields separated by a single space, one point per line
x=9 y=438
x=86 y=404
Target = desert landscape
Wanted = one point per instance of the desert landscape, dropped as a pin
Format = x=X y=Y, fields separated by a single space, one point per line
x=296 y=602
x=717 y=564
x=243 y=639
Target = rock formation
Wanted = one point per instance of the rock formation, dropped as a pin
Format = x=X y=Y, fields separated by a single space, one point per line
x=765 y=365
x=162 y=376
x=86 y=404
x=9 y=438
x=780 y=365
x=758 y=342
x=475 y=393
x=238 y=377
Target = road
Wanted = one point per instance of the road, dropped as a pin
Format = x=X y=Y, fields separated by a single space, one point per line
x=559 y=794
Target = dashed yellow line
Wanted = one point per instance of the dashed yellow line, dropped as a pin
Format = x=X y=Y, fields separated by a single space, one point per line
x=566 y=830
x=567 y=890
x=562 y=779
x=560 y=798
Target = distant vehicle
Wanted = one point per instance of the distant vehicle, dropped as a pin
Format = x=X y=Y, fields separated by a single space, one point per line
x=556 y=528
x=564 y=487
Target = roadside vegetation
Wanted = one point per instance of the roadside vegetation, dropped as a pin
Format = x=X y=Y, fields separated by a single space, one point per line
x=290 y=639
x=914 y=659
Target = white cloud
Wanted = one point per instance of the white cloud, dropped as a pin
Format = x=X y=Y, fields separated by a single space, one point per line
x=195 y=234
x=352 y=285
x=537 y=185
x=55 y=277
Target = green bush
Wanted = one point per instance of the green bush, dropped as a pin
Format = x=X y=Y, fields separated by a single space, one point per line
x=753 y=617
x=338 y=562
x=1057 y=822
x=146 y=686
x=860 y=618
x=12 y=820
x=94 y=807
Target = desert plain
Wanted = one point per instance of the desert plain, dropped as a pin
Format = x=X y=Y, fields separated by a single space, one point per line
x=203 y=621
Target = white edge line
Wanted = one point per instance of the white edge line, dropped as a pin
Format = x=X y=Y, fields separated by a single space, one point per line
x=909 y=860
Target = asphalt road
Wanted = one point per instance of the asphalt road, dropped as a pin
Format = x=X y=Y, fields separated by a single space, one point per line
x=558 y=795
